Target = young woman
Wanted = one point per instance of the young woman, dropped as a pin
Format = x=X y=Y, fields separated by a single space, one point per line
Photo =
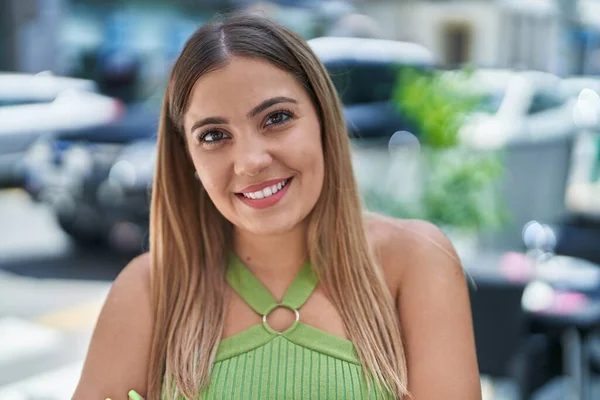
x=265 y=279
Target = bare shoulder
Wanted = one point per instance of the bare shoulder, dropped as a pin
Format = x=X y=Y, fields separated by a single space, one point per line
x=118 y=356
x=409 y=249
x=433 y=307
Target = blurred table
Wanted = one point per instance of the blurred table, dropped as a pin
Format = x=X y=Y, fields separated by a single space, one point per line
x=562 y=297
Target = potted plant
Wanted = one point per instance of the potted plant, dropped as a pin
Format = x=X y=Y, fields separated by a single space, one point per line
x=456 y=186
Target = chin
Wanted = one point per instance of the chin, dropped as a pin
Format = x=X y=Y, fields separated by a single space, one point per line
x=270 y=229
x=271 y=225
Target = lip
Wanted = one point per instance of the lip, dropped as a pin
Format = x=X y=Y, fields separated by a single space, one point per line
x=266 y=201
x=262 y=185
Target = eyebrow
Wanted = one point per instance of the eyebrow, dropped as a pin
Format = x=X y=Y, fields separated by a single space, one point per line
x=252 y=113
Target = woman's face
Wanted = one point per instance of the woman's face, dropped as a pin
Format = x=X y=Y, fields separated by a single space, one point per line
x=255 y=140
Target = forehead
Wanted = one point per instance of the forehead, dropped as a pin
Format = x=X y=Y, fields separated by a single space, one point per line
x=242 y=82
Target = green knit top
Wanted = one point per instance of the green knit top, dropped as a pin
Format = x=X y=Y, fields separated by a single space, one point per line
x=301 y=362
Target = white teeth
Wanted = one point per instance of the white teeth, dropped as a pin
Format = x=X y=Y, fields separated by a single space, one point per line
x=266 y=192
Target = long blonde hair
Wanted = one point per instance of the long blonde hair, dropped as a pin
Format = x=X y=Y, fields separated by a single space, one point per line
x=189 y=238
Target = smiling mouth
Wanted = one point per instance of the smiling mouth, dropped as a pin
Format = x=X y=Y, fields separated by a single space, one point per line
x=266 y=192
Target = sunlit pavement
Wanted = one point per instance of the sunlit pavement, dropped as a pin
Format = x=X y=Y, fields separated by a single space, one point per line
x=50 y=297
x=44 y=323
x=56 y=384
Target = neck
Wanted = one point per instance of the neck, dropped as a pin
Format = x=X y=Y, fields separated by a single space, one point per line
x=277 y=256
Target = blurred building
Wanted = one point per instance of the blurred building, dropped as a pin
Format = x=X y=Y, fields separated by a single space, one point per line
x=68 y=36
x=559 y=36
x=585 y=30
x=520 y=33
x=355 y=25
x=29 y=34
x=126 y=46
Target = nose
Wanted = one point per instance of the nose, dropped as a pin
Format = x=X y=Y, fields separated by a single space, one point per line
x=252 y=156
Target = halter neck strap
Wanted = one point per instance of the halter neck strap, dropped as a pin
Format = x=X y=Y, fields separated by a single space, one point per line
x=259 y=298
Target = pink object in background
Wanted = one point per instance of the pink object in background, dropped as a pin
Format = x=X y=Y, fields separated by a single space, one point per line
x=568 y=302
x=517 y=267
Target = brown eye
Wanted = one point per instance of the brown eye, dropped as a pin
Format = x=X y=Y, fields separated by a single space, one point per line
x=212 y=137
x=278 y=118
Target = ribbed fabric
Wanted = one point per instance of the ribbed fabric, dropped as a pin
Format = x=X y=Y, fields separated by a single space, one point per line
x=302 y=362
x=284 y=370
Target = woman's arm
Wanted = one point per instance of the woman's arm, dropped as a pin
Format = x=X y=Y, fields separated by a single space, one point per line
x=434 y=311
x=118 y=356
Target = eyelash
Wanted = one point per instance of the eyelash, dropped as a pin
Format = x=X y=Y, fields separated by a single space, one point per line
x=288 y=113
x=200 y=138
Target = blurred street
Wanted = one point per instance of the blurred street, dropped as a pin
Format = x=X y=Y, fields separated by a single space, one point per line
x=50 y=296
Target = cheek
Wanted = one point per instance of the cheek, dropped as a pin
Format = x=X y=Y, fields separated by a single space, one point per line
x=211 y=176
x=311 y=159
x=316 y=150
x=307 y=144
x=210 y=185
x=316 y=159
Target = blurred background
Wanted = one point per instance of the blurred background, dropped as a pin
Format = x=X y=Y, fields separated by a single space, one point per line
x=482 y=116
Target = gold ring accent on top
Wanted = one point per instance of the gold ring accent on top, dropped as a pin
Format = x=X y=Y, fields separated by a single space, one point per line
x=276 y=306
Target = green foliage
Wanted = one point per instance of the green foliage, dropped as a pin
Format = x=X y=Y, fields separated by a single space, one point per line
x=459 y=190
x=459 y=185
x=433 y=105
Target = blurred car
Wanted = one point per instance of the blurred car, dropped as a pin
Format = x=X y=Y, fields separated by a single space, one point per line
x=582 y=197
x=578 y=232
x=576 y=84
x=20 y=88
x=365 y=72
x=65 y=170
x=111 y=202
x=516 y=106
x=587 y=91
x=36 y=105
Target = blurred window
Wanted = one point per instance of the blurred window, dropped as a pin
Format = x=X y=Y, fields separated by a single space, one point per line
x=365 y=83
x=491 y=103
x=457 y=39
x=545 y=101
